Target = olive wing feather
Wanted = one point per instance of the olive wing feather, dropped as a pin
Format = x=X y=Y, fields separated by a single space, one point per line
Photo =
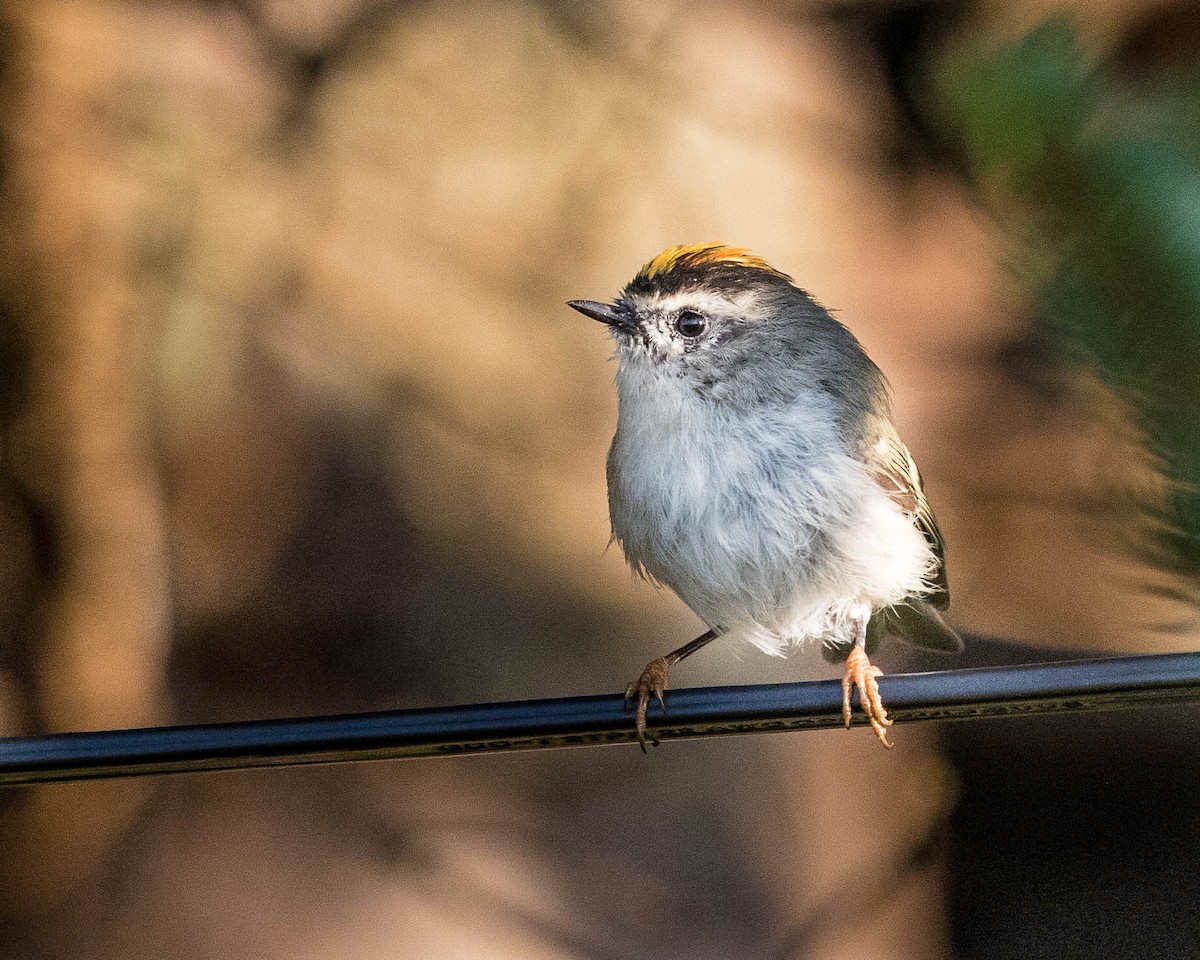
x=916 y=619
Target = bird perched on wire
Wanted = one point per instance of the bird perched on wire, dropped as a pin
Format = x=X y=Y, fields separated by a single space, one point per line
x=756 y=471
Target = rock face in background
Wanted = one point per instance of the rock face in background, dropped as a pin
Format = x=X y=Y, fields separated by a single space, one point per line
x=297 y=421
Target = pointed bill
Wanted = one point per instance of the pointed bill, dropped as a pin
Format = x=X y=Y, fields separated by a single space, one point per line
x=604 y=312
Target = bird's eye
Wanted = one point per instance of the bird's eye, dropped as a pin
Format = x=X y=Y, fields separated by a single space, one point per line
x=690 y=324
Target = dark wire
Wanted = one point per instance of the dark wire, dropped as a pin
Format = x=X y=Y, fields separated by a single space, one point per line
x=1082 y=685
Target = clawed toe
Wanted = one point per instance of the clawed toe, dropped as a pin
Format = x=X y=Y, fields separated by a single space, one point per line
x=652 y=682
x=860 y=676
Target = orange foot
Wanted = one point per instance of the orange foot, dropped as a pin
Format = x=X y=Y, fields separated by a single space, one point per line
x=653 y=681
x=861 y=674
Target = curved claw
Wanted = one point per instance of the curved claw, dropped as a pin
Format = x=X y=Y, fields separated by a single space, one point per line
x=860 y=675
x=652 y=682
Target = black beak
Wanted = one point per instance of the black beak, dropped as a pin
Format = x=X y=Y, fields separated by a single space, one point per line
x=604 y=312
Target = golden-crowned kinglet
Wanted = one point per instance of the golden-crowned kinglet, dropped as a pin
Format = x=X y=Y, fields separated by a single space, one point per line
x=756 y=471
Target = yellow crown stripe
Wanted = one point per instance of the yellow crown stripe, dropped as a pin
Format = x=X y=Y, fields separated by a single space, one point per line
x=701 y=254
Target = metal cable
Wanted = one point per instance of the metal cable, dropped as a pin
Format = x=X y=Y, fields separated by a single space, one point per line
x=1083 y=685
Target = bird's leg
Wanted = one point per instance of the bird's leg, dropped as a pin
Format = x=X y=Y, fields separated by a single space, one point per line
x=860 y=675
x=653 y=682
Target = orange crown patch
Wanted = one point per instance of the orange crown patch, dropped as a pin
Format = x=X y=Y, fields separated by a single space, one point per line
x=701 y=255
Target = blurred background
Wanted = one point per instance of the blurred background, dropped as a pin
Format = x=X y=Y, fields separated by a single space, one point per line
x=293 y=419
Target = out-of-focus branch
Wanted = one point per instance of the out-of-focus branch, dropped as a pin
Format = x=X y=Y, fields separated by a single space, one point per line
x=81 y=452
x=311 y=57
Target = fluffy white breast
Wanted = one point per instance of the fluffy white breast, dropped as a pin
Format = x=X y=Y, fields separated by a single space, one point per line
x=758 y=519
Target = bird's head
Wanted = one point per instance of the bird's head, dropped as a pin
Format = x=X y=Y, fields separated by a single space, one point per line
x=710 y=315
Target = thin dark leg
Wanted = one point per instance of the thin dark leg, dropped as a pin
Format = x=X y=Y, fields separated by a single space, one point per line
x=688 y=649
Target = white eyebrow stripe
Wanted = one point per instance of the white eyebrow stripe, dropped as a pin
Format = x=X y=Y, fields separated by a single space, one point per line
x=705 y=301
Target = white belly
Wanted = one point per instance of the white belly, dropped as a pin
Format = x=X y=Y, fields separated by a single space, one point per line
x=765 y=527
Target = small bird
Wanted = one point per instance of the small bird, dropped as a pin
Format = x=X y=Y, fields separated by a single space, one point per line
x=756 y=471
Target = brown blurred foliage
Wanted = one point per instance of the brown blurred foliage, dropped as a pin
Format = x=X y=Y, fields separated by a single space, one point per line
x=296 y=421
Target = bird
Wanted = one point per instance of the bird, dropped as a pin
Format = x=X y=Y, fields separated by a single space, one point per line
x=757 y=472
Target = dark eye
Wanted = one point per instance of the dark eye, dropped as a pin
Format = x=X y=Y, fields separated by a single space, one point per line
x=691 y=324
